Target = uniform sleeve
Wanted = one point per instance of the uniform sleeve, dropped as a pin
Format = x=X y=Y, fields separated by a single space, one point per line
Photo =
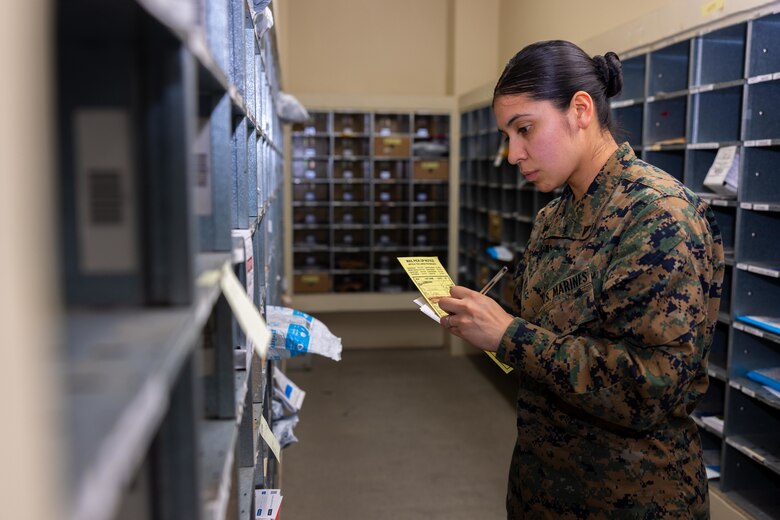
x=641 y=362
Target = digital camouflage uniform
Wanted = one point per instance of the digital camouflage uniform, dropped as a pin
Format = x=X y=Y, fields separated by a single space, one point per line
x=617 y=298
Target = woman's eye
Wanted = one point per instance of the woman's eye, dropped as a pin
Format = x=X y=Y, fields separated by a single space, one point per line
x=523 y=130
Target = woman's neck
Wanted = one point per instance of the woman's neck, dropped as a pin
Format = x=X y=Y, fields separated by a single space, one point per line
x=593 y=160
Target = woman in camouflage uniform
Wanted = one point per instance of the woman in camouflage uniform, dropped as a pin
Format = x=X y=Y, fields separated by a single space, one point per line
x=616 y=300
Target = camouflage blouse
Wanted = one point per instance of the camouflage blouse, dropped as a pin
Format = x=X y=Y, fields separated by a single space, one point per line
x=617 y=298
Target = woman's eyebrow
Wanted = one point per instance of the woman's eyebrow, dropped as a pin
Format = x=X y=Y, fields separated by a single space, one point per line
x=514 y=117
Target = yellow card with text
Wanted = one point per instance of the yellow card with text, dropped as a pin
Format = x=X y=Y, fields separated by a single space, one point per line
x=430 y=277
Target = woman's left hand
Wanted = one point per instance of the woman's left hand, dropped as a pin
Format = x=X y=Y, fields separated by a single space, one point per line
x=475 y=317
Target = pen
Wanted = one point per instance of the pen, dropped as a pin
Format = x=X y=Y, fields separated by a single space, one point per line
x=493 y=281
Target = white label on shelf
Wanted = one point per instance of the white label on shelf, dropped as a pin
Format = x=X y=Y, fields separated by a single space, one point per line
x=105 y=191
x=720 y=202
x=776 y=75
x=706 y=88
x=764 y=270
x=746 y=205
x=650 y=99
x=759 y=79
x=747 y=391
x=761 y=207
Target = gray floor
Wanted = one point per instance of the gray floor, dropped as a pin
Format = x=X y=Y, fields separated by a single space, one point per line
x=400 y=434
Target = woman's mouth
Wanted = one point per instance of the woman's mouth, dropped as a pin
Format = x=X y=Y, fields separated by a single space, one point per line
x=531 y=175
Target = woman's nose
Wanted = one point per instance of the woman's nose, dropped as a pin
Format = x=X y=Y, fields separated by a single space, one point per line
x=516 y=153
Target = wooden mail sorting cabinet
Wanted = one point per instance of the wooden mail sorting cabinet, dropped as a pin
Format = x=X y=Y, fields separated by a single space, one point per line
x=367 y=188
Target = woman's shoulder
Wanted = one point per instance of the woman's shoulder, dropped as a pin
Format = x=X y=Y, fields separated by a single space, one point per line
x=645 y=184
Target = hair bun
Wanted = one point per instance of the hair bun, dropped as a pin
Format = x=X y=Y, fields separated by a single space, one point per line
x=610 y=70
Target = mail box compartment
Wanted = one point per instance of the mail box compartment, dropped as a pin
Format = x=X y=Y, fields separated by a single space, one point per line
x=429 y=237
x=390 y=238
x=357 y=237
x=430 y=216
x=311 y=283
x=350 y=123
x=763 y=112
x=391 y=282
x=430 y=193
x=312 y=260
x=311 y=216
x=310 y=169
x=351 y=261
x=351 y=282
x=391 y=123
x=350 y=215
x=311 y=238
x=318 y=123
x=391 y=216
x=351 y=192
x=391 y=170
x=310 y=192
x=431 y=126
x=394 y=146
x=351 y=147
x=391 y=194
x=350 y=170
x=432 y=170
x=310 y=146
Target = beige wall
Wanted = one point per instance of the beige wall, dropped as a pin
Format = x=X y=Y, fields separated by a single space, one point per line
x=366 y=46
x=524 y=22
x=475 y=43
x=31 y=457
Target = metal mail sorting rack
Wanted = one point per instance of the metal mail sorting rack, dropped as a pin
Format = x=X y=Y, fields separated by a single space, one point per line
x=684 y=99
x=171 y=168
x=367 y=188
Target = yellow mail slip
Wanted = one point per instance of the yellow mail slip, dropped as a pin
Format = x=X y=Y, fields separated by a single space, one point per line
x=430 y=277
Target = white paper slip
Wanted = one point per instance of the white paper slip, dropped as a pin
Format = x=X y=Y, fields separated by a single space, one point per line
x=292 y=395
x=426 y=309
x=247 y=315
x=712 y=473
x=713 y=422
x=267 y=503
x=723 y=175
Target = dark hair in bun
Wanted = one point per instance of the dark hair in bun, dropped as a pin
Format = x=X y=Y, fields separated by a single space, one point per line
x=555 y=70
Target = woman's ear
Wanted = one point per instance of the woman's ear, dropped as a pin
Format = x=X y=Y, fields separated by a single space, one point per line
x=582 y=108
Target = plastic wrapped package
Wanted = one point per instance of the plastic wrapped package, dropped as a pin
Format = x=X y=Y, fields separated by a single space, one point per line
x=294 y=333
x=264 y=20
x=283 y=430
x=289 y=109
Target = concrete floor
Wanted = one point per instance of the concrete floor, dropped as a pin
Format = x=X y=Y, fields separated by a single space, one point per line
x=400 y=434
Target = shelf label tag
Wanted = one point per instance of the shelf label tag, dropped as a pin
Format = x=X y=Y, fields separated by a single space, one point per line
x=105 y=191
x=247 y=315
x=268 y=436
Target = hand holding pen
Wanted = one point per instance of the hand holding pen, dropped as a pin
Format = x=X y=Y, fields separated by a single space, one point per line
x=493 y=281
x=474 y=316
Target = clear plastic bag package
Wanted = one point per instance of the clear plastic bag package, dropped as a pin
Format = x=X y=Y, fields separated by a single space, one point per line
x=294 y=333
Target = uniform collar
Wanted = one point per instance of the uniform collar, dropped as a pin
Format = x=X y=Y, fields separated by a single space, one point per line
x=577 y=218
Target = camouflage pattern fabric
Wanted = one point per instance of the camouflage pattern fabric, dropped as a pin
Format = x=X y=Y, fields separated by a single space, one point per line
x=617 y=298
